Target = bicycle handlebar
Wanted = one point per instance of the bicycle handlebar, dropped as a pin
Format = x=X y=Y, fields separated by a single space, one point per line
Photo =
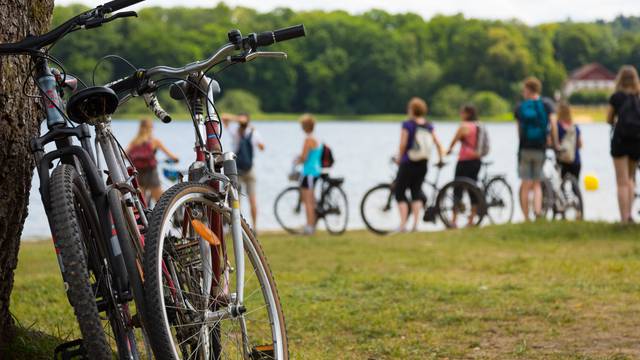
x=248 y=45
x=88 y=19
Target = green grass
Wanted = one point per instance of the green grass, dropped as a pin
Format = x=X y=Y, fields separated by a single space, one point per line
x=534 y=291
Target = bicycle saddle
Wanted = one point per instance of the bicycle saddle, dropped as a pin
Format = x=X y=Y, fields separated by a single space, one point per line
x=335 y=181
x=92 y=105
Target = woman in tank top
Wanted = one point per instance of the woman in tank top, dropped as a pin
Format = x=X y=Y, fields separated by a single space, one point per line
x=311 y=170
x=469 y=161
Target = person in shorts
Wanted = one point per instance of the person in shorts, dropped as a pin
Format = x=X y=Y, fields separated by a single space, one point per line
x=244 y=139
x=623 y=115
x=142 y=152
x=533 y=115
x=311 y=160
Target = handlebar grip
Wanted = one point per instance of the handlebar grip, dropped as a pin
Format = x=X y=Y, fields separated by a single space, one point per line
x=154 y=105
x=116 y=5
x=289 y=33
x=265 y=38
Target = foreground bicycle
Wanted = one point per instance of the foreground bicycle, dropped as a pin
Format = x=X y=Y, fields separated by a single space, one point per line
x=94 y=227
x=202 y=303
x=457 y=204
x=332 y=206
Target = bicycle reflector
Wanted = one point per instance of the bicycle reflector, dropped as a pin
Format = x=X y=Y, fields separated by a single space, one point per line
x=204 y=232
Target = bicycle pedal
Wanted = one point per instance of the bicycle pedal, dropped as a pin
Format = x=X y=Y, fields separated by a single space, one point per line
x=429 y=214
x=262 y=352
x=72 y=350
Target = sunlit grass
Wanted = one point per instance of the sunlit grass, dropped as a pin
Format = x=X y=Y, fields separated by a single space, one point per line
x=536 y=291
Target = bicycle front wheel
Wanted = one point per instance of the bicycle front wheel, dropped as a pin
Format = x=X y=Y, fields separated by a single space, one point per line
x=335 y=210
x=379 y=209
x=460 y=204
x=499 y=199
x=290 y=211
x=190 y=284
x=75 y=228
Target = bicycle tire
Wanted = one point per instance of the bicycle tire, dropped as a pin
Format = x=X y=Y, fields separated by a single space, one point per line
x=296 y=229
x=468 y=187
x=368 y=222
x=162 y=341
x=489 y=202
x=343 y=227
x=572 y=182
x=549 y=210
x=70 y=200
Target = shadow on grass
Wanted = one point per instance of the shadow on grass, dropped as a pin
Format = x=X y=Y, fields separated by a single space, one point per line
x=29 y=344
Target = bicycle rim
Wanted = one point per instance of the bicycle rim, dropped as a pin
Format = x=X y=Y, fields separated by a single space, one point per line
x=379 y=210
x=335 y=208
x=290 y=211
x=460 y=204
x=499 y=199
x=189 y=305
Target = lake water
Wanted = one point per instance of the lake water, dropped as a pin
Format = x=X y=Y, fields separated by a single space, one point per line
x=362 y=151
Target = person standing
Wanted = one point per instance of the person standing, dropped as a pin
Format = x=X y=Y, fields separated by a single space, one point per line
x=310 y=158
x=624 y=116
x=245 y=139
x=417 y=138
x=570 y=142
x=469 y=159
x=142 y=152
x=533 y=115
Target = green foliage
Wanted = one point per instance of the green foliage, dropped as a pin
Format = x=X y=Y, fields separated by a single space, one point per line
x=354 y=64
x=448 y=100
x=489 y=103
x=589 y=97
x=239 y=101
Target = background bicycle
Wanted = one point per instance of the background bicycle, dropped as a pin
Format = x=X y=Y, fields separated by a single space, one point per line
x=453 y=204
x=331 y=205
x=561 y=196
x=498 y=196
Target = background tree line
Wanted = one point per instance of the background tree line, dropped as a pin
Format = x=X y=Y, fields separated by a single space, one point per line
x=358 y=64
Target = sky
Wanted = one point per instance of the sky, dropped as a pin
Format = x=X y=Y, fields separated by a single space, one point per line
x=529 y=11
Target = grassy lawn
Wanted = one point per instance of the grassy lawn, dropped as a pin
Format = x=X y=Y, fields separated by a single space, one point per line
x=535 y=291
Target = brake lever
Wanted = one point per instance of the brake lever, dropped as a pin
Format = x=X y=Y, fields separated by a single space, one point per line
x=119 y=15
x=256 y=54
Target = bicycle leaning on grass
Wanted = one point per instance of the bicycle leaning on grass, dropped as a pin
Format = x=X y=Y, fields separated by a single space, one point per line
x=332 y=205
x=208 y=297
x=96 y=227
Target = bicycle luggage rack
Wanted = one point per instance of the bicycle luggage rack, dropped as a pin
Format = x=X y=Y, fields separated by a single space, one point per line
x=72 y=350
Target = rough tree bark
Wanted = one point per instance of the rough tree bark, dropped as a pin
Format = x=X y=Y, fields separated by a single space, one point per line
x=19 y=117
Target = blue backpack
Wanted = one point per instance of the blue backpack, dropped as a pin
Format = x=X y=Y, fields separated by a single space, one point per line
x=534 y=124
x=244 y=157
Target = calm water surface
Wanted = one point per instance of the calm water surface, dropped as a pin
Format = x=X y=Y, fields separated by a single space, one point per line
x=362 y=152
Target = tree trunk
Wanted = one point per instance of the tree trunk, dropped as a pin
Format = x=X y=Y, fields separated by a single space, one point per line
x=19 y=122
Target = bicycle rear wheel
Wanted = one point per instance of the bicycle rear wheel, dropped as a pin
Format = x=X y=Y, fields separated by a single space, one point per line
x=75 y=230
x=335 y=210
x=290 y=211
x=499 y=199
x=379 y=209
x=190 y=285
x=460 y=203
x=574 y=208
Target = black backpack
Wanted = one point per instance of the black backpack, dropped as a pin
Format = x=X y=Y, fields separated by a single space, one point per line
x=244 y=157
x=327 y=157
x=628 y=124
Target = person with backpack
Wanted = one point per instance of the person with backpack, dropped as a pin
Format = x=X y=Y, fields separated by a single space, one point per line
x=142 y=152
x=311 y=159
x=245 y=139
x=570 y=142
x=474 y=144
x=624 y=116
x=417 y=139
x=533 y=115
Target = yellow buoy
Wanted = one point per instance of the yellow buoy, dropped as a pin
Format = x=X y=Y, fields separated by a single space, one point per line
x=591 y=182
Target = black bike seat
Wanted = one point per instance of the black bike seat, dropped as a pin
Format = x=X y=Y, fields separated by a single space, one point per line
x=92 y=104
x=335 y=181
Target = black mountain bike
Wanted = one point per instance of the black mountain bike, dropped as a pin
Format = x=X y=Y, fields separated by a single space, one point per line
x=96 y=228
x=458 y=203
x=332 y=206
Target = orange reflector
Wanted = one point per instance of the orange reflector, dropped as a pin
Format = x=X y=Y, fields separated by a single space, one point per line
x=204 y=232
